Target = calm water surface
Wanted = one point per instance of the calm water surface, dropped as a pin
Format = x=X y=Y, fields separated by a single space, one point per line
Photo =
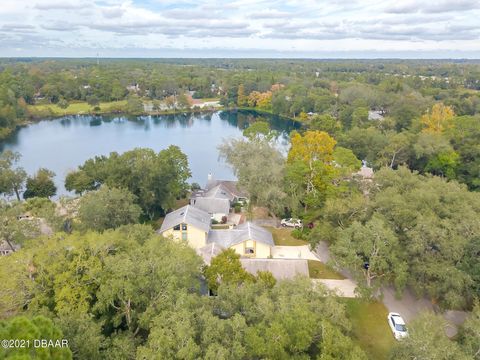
x=63 y=144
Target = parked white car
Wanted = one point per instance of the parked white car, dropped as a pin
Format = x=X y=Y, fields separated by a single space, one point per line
x=295 y=223
x=397 y=325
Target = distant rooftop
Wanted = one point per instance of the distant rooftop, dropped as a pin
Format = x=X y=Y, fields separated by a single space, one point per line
x=229 y=186
x=365 y=172
x=375 y=115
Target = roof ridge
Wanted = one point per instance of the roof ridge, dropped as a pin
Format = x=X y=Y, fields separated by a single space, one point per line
x=185 y=214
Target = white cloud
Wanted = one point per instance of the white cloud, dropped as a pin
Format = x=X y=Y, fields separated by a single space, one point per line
x=238 y=26
x=113 y=12
x=60 y=5
x=438 y=6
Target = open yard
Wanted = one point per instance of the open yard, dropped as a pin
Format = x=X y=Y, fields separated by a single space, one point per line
x=283 y=237
x=370 y=328
x=74 y=108
x=319 y=270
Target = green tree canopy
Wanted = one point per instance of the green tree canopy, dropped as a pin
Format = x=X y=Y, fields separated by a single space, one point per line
x=226 y=268
x=36 y=328
x=40 y=185
x=156 y=179
x=371 y=249
x=427 y=340
x=430 y=229
x=11 y=179
x=108 y=208
x=259 y=167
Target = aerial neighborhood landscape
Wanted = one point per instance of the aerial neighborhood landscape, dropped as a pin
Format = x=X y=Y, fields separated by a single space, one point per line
x=240 y=180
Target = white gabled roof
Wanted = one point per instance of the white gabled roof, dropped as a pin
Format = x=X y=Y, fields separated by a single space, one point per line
x=219 y=192
x=187 y=215
x=212 y=205
x=241 y=233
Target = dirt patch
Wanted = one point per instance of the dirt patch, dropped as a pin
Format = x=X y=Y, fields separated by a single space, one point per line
x=261 y=213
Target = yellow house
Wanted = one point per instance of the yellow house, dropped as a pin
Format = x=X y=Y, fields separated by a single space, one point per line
x=192 y=225
x=248 y=240
x=187 y=224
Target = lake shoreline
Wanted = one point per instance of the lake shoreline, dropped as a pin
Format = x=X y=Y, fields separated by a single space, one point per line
x=37 y=117
x=61 y=144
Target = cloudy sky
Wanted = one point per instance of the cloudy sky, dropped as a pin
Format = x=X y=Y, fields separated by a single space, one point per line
x=241 y=28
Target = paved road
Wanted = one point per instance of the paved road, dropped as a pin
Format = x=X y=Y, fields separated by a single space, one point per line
x=266 y=222
x=409 y=306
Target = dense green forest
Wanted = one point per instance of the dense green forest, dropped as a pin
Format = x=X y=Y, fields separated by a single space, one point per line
x=102 y=278
x=333 y=96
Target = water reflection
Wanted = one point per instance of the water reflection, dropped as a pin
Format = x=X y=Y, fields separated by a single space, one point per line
x=240 y=119
x=95 y=122
x=66 y=121
x=63 y=144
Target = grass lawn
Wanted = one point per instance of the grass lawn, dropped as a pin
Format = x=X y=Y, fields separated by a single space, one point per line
x=283 y=237
x=220 y=226
x=74 y=108
x=370 y=328
x=208 y=99
x=319 y=270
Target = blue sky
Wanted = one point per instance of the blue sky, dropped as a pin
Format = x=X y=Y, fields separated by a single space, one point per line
x=241 y=28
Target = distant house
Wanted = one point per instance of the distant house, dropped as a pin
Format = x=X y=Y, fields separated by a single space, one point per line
x=365 y=172
x=6 y=249
x=218 y=197
x=133 y=88
x=228 y=187
x=375 y=115
x=192 y=225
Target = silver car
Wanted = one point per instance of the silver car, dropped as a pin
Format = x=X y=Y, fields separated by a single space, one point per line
x=295 y=223
x=397 y=325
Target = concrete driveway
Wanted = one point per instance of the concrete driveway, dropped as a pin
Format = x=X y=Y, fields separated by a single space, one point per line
x=293 y=252
x=343 y=288
x=409 y=306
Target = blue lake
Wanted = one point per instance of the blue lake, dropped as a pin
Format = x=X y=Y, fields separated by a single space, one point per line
x=65 y=143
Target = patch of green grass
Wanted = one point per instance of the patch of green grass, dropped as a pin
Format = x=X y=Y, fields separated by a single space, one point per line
x=283 y=237
x=370 y=328
x=209 y=99
x=319 y=270
x=220 y=226
x=74 y=108
x=181 y=202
